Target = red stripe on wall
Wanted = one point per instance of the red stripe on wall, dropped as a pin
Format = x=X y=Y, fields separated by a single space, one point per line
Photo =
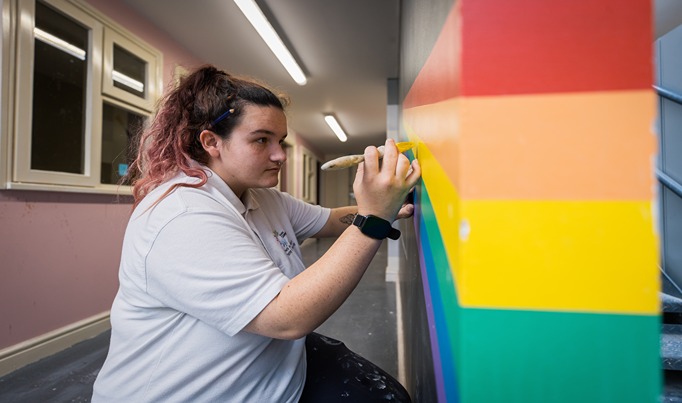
x=575 y=46
x=439 y=78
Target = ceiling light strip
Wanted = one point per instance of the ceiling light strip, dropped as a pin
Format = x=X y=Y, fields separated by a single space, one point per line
x=336 y=128
x=256 y=17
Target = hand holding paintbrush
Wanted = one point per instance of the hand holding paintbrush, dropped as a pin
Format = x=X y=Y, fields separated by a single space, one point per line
x=351 y=160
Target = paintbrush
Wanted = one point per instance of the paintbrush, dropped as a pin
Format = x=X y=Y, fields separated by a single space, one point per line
x=348 y=161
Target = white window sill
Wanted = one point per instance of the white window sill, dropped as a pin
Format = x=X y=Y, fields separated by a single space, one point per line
x=101 y=189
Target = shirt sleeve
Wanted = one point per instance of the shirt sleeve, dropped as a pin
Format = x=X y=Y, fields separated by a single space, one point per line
x=208 y=265
x=306 y=219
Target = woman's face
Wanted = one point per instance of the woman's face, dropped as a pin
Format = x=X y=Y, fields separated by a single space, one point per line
x=253 y=154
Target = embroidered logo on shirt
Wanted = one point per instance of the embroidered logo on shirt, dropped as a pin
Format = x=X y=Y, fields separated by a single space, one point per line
x=286 y=244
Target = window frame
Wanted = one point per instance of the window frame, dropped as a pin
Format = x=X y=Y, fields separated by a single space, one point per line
x=308 y=165
x=22 y=171
x=7 y=18
x=111 y=38
x=668 y=88
x=17 y=87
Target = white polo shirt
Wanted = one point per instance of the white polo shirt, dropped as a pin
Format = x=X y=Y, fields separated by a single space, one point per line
x=195 y=269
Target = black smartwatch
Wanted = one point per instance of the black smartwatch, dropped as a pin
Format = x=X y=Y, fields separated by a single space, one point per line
x=375 y=227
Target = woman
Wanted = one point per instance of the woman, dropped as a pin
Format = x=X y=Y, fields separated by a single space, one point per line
x=214 y=302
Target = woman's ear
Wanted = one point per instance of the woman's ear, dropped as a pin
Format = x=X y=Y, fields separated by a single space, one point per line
x=211 y=142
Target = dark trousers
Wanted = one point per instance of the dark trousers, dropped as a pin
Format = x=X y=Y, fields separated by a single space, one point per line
x=336 y=374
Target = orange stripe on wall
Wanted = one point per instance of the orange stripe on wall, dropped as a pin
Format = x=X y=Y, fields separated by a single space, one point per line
x=436 y=127
x=586 y=146
x=582 y=146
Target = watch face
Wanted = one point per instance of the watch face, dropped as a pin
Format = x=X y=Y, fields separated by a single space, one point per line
x=376 y=227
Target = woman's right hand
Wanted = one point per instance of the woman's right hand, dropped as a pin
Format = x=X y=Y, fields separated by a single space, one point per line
x=381 y=187
x=312 y=296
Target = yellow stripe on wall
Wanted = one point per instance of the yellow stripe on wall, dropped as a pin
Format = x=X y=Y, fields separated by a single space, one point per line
x=444 y=200
x=576 y=256
x=584 y=256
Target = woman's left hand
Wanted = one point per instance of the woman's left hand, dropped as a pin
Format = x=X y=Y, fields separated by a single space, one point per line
x=406 y=211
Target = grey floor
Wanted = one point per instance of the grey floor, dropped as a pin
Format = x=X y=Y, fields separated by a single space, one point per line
x=366 y=323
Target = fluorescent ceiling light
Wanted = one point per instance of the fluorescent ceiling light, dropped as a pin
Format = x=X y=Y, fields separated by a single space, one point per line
x=127 y=81
x=336 y=128
x=256 y=17
x=59 y=43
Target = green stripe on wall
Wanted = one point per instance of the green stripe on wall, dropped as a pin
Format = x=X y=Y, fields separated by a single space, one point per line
x=544 y=357
x=440 y=279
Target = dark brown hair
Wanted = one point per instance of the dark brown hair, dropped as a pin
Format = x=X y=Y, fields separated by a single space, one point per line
x=171 y=141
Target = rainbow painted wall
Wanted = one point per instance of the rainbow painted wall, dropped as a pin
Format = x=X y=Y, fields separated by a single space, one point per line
x=537 y=247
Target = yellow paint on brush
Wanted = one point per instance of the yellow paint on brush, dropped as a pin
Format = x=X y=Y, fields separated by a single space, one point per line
x=404 y=146
x=350 y=160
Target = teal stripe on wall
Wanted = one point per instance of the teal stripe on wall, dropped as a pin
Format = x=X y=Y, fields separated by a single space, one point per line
x=554 y=357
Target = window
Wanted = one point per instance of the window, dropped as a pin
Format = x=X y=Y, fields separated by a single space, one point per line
x=669 y=172
x=56 y=80
x=120 y=127
x=309 y=165
x=83 y=89
x=59 y=91
x=128 y=69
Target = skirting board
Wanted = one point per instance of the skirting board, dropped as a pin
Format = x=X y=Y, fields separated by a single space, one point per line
x=30 y=351
x=392 y=269
x=402 y=377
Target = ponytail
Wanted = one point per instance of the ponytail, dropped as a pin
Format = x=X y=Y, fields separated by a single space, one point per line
x=170 y=143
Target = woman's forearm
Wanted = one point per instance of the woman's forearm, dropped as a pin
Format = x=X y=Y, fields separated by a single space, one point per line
x=339 y=219
x=308 y=299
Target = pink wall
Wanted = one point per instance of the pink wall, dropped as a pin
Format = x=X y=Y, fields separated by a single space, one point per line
x=141 y=27
x=59 y=252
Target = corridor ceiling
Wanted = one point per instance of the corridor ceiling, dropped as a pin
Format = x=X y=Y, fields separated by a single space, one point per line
x=347 y=48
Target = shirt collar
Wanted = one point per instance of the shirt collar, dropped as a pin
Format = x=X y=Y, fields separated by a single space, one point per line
x=246 y=203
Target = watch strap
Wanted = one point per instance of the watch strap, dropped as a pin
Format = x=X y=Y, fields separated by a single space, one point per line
x=375 y=227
